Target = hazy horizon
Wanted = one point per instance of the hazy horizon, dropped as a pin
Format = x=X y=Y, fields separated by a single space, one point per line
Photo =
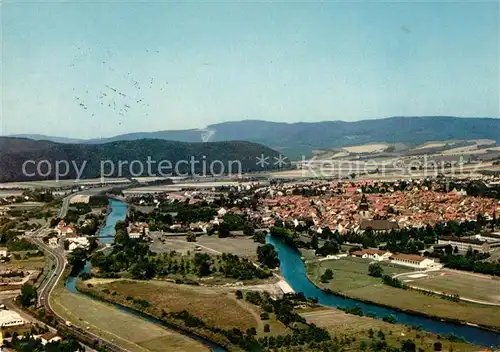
x=234 y=121
x=91 y=70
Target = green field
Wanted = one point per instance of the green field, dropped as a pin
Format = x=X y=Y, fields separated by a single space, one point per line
x=350 y=277
x=465 y=284
x=132 y=333
x=215 y=306
x=339 y=323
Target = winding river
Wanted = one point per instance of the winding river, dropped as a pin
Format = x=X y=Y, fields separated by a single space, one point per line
x=118 y=211
x=294 y=272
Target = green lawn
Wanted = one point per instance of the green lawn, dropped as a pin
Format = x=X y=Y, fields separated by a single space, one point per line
x=350 y=277
x=339 y=324
x=465 y=284
x=351 y=273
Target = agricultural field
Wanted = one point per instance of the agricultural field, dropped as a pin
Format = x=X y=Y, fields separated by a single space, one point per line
x=132 y=333
x=339 y=324
x=26 y=263
x=216 y=307
x=350 y=277
x=241 y=246
x=465 y=284
x=352 y=273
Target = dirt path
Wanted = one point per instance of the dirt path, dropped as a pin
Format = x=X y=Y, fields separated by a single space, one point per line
x=242 y=304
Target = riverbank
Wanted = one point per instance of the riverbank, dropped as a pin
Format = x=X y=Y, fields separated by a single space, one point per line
x=126 y=330
x=294 y=271
x=351 y=280
x=140 y=305
x=338 y=323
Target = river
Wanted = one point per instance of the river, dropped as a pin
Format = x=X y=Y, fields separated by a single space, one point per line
x=117 y=212
x=294 y=272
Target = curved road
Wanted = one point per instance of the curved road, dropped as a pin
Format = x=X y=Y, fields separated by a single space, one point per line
x=45 y=290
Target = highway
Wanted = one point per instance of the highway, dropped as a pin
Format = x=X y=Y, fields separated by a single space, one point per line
x=53 y=277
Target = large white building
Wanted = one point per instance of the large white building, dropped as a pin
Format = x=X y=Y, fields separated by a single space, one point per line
x=478 y=242
x=78 y=242
x=413 y=261
x=10 y=318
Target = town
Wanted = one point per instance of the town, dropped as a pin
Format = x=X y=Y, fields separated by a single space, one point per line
x=425 y=246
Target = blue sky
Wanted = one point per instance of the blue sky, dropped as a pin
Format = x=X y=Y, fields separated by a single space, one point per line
x=94 y=69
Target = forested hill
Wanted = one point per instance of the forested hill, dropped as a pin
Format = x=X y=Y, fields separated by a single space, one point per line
x=303 y=137
x=175 y=157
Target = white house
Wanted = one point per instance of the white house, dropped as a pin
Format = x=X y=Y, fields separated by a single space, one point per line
x=413 y=261
x=137 y=230
x=53 y=241
x=221 y=212
x=374 y=254
x=78 y=242
x=3 y=252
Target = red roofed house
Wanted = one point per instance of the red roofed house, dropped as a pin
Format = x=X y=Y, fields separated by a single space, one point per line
x=63 y=229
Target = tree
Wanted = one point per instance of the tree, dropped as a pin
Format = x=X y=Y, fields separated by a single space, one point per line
x=260 y=237
x=190 y=237
x=314 y=241
x=408 y=346
x=438 y=346
x=122 y=237
x=375 y=270
x=330 y=247
x=239 y=294
x=267 y=328
x=268 y=256
x=248 y=230
x=455 y=250
x=327 y=275
x=202 y=264
x=28 y=295
x=448 y=249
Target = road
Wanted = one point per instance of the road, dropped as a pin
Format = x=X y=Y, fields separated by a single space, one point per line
x=53 y=277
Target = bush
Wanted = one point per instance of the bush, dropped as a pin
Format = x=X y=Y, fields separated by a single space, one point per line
x=375 y=270
x=264 y=316
x=389 y=319
x=239 y=294
x=327 y=276
x=267 y=328
x=438 y=346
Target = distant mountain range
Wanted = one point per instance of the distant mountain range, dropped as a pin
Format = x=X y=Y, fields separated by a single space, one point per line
x=88 y=160
x=293 y=139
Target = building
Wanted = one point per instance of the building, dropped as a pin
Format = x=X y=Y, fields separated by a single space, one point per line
x=375 y=254
x=378 y=225
x=53 y=242
x=79 y=198
x=137 y=230
x=3 y=252
x=49 y=337
x=65 y=230
x=479 y=243
x=78 y=242
x=413 y=261
x=10 y=318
